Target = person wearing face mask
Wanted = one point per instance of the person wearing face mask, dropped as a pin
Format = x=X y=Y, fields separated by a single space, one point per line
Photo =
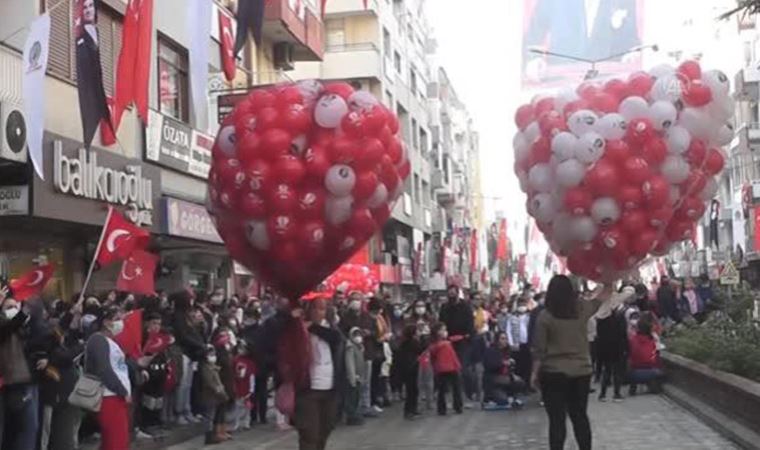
x=517 y=334
x=105 y=360
x=356 y=373
x=459 y=319
x=421 y=319
x=225 y=342
x=408 y=363
x=193 y=346
x=214 y=396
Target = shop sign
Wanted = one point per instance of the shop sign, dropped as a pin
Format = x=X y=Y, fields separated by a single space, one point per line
x=175 y=145
x=189 y=220
x=14 y=200
x=82 y=176
x=407 y=274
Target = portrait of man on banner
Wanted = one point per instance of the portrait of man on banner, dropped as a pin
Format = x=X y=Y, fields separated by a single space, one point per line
x=586 y=29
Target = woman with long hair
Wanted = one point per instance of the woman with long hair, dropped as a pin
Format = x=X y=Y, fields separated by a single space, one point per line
x=562 y=366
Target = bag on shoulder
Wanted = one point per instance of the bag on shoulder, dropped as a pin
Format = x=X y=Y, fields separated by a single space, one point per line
x=87 y=393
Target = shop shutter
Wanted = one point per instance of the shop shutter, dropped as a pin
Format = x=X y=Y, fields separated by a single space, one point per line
x=61 y=40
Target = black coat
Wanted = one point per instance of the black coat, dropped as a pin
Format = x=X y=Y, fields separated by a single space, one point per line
x=188 y=337
x=92 y=96
x=407 y=357
x=459 y=318
x=612 y=337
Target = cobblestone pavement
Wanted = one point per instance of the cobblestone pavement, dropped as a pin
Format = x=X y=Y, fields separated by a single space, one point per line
x=642 y=422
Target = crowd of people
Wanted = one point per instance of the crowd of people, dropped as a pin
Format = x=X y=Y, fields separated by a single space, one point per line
x=233 y=362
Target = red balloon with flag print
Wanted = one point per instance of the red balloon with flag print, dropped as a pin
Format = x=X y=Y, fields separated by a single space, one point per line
x=321 y=169
x=618 y=171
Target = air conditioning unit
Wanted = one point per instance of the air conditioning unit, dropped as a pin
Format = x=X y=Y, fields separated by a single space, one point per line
x=12 y=132
x=283 y=56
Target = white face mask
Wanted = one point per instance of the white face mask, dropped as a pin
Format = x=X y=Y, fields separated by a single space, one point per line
x=358 y=340
x=522 y=309
x=10 y=313
x=419 y=310
x=356 y=305
x=216 y=299
x=211 y=359
x=117 y=326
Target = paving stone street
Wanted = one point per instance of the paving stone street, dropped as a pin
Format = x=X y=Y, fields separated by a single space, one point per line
x=643 y=422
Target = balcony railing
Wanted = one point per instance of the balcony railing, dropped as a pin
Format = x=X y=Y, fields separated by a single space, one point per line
x=354 y=47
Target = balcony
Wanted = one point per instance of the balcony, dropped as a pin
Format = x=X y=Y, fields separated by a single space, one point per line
x=337 y=8
x=301 y=28
x=746 y=83
x=349 y=61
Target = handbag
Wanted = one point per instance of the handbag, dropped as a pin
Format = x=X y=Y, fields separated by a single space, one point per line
x=88 y=392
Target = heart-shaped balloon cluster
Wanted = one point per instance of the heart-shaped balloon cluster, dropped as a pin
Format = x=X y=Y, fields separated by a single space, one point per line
x=619 y=170
x=303 y=174
x=352 y=277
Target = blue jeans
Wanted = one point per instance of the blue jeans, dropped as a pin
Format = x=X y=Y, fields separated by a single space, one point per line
x=643 y=376
x=21 y=405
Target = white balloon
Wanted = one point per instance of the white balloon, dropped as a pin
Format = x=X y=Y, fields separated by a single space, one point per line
x=582 y=121
x=362 y=101
x=338 y=209
x=226 y=141
x=717 y=81
x=563 y=145
x=697 y=122
x=340 y=180
x=570 y=173
x=310 y=91
x=330 y=110
x=541 y=178
x=675 y=169
x=663 y=115
x=583 y=229
x=710 y=190
x=662 y=70
x=522 y=177
x=721 y=109
x=723 y=135
x=678 y=139
x=612 y=126
x=563 y=97
x=542 y=207
x=634 y=108
x=590 y=148
x=379 y=197
x=605 y=211
x=521 y=146
x=257 y=234
x=532 y=132
x=666 y=88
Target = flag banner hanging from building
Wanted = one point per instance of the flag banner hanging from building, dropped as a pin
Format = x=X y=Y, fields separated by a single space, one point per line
x=31 y=283
x=92 y=96
x=133 y=70
x=501 y=245
x=473 y=250
x=130 y=340
x=119 y=239
x=250 y=16
x=36 y=50
x=137 y=273
x=198 y=28
x=227 y=49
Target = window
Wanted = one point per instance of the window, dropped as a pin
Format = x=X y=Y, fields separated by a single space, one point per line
x=423 y=141
x=386 y=42
x=336 y=34
x=172 y=80
x=397 y=61
x=415 y=139
x=389 y=100
x=62 y=53
x=425 y=193
x=417 y=188
x=413 y=80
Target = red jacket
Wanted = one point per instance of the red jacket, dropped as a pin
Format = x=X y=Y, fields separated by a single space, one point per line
x=444 y=357
x=643 y=352
x=244 y=370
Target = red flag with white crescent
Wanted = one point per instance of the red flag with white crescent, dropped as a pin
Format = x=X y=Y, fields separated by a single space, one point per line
x=119 y=239
x=133 y=70
x=137 y=273
x=130 y=339
x=501 y=244
x=31 y=283
x=228 y=46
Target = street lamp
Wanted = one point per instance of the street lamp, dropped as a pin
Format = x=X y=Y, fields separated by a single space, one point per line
x=593 y=72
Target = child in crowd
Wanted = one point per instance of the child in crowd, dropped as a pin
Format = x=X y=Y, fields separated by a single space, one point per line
x=356 y=372
x=408 y=365
x=644 y=359
x=213 y=397
x=447 y=368
x=517 y=334
x=245 y=385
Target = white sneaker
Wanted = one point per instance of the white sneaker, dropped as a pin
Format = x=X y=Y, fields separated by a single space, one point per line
x=182 y=420
x=142 y=435
x=377 y=409
x=193 y=419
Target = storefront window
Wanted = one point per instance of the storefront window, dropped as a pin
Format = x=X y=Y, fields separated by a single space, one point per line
x=172 y=83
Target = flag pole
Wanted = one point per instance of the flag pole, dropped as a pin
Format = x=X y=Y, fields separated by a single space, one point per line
x=95 y=256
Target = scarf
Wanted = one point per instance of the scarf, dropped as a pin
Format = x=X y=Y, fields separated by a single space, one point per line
x=691 y=296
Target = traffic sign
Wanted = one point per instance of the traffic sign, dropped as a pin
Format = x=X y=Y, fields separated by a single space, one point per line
x=729 y=275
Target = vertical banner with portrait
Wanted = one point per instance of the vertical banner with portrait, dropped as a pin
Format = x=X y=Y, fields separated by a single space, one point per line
x=591 y=30
x=93 y=104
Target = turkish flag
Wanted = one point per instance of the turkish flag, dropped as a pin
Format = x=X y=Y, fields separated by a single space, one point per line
x=227 y=47
x=133 y=70
x=501 y=245
x=130 y=340
x=119 y=239
x=32 y=282
x=473 y=250
x=137 y=273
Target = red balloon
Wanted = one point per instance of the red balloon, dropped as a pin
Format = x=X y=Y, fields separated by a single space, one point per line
x=659 y=218
x=287 y=96
x=605 y=103
x=696 y=153
x=317 y=162
x=289 y=169
x=353 y=124
x=389 y=174
x=322 y=136
x=260 y=99
x=311 y=203
x=714 y=162
x=405 y=169
x=340 y=88
x=275 y=143
x=281 y=227
x=551 y=123
x=543 y=105
x=616 y=87
x=695 y=183
x=689 y=70
x=640 y=83
x=343 y=150
x=311 y=236
x=656 y=191
x=655 y=150
x=228 y=170
x=296 y=118
x=370 y=154
x=361 y=224
x=395 y=150
x=630 y=197
x=282 y=199
x=636 y=170
x=643 y=242
x=575 y=105
x=578 y=201
x=244 y=124
x=258 y=175
x=692 y=208
x=252 y=206
x=285 y=252
x=393 y=123
x=267 y=118
x=228 y=198
x=366 y=183
x=679 y=230
x=603 y=179
x=381 y=214
x=634 y=221
x=639 y=131
x=541 y=151
x=374 y=120
x=696 y=93
x=249 y=147
x=617 y=151
x=524 y=116
x=587 y=90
